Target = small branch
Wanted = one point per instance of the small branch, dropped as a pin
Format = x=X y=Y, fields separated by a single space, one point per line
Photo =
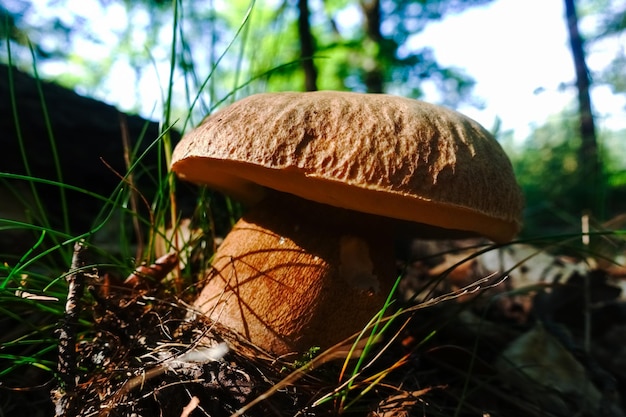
x=67 y=332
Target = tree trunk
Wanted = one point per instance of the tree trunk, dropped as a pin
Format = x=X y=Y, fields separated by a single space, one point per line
x=374 y=73
x=307 y=46
x=590 y=168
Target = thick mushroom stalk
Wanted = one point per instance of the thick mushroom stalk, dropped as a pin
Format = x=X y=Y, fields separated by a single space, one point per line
x=293 y=274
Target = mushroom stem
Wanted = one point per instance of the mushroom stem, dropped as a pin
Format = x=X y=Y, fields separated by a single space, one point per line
x=293 y=274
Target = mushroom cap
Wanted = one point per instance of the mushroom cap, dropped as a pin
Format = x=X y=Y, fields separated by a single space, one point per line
x=374 y=153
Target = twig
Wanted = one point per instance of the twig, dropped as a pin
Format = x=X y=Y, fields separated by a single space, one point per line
x=67 y=332
x=190 y=407
x=586 y=288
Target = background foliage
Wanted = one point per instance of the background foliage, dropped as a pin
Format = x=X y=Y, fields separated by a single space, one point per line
x=228 y=50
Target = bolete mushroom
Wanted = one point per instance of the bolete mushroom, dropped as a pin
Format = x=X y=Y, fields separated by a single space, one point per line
x=330 y=177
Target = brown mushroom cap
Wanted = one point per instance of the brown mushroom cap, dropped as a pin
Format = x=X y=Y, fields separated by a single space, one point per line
x=378 y=154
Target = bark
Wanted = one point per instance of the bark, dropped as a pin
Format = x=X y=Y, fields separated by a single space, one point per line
x=590 y=168
x=307 y=46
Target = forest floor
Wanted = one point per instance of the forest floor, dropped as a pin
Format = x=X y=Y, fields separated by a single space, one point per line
x=474 y=343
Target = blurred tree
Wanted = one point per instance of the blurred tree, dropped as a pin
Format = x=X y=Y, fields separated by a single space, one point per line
x=568 y=165
x=590 y=169
x=307 y=47
x=388 y=63
x=381 y=58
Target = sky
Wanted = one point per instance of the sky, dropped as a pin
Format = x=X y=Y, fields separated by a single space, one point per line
x=518 y=52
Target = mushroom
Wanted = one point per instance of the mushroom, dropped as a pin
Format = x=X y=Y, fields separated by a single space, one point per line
x=330 y=177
